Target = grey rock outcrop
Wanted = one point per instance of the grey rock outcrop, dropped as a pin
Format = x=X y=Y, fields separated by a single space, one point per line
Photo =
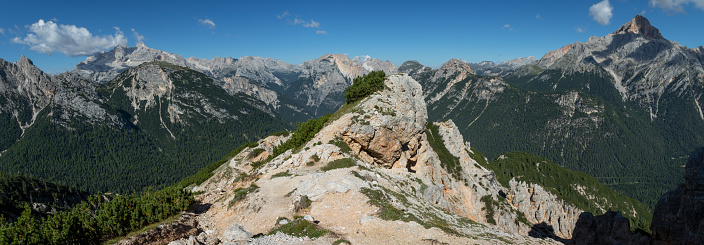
x=543 y=207
x=609 y=228
x=25 y=89
x=640 y=25
x=388 y=128
x=678 y=217
x=235 y=233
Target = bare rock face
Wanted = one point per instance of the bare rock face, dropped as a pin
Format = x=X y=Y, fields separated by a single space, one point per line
x=644 y=65
x=413 y=67
x=389 y=124
x=105 y=66
x=640 y=25
x=609 y=228
x=24 y=80
x=542 y=207
x=678 y=217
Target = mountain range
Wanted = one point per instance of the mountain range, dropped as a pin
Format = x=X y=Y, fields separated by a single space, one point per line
x=624 y=108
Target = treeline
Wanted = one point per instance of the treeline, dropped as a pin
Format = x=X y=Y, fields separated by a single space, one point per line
x=304 y=133
x=96 y=220
x=17 y=191
x=365 y=85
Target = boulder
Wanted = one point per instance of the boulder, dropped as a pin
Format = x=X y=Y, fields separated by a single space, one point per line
x=235 y=233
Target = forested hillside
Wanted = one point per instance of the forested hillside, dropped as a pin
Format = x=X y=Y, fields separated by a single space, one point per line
x=588 y=130
x=158 y=138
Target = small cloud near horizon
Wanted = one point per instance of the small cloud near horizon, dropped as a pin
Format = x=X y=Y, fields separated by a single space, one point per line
x=207 y=22
x=675 y=6
x=49 y=37
x=139 y=38
x=580 y=29
x=298 y=21
x=281 y=16
x=602 y=12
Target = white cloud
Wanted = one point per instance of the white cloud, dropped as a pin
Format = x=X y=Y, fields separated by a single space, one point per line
x=312 y=24
x=137 y=36
x=2 y=31
x=507 y=26
x=676 y=6
x=207 y=22
x=580 y=29
x=602 y=12
x=281 y=16
x=307 y=24
x=49 y=37
x=537 y=16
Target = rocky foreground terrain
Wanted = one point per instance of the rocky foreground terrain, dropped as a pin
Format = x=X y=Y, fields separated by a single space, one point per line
x=372 y=175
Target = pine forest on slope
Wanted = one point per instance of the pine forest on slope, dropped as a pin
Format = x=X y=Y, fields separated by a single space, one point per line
x=157 y=131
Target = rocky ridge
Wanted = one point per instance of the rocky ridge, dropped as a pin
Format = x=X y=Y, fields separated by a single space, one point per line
x=642 y=63
x=394 y=168
x=489 y=68
x=313 y=84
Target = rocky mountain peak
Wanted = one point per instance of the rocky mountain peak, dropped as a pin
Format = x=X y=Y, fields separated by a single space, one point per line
x=456 y=64
x=24 y=60
x=640 y=25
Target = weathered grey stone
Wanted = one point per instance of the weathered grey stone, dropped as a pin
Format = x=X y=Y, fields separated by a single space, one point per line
x=236 y=233
x=308 y=218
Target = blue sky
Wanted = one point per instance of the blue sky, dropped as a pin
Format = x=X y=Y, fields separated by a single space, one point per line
x=431 y=32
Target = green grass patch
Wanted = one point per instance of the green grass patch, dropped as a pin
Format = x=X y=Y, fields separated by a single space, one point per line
x=341 y=144
x=478 y=156
x=255 y=153
x=280 y=133
x=341 y=241
x=448 y=161
x=304 y=133
x=489 y=204
x=205 y=173
x=282 y=174
x=302 y=204
x=339 y=163
x=241 y=194
x=382 y=199
x=300 y=228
